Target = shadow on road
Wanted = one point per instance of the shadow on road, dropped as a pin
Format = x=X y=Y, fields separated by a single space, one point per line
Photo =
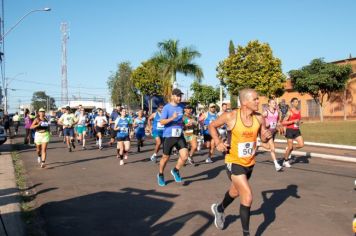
x=272 y=199
x=127 y=212
x=205 y=175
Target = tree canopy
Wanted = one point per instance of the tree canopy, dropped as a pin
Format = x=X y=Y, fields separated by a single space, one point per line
x=121 y=87
x=253 y=66
x=203 y=94
x=320 y=79
x=41 y=100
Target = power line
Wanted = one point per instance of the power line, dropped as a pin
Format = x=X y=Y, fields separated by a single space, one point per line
x=56 y=85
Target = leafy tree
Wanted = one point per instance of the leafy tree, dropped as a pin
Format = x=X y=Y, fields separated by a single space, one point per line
x=320 y=79
x=174 y=59
x=121 y=87
x=203 y=94
x=148 y=79
x=41 y=100
x=253 y=66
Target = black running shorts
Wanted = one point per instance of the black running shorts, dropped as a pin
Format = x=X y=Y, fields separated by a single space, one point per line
x=292 y=133
x=207 y=138
x=170 y=142
x=100 y=130
x=235 y=169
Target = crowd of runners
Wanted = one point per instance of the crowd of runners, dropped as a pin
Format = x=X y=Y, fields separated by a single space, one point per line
x=176 y=129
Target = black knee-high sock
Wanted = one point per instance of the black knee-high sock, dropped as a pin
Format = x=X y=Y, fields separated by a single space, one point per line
x=226 y=202
x=245 y=218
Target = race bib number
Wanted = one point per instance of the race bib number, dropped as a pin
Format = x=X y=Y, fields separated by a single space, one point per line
x=246 y=149
x=160 y=126
x=141 y=125
x=124 y=130
x=296 y=125
x=44 y=124
x=176 y=132
x=272 y=125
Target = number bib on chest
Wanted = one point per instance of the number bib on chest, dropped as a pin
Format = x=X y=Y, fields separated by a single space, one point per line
x=176 y=132
x=160 y=126
x=272 y=125
x=124 y=130
x=246 y=149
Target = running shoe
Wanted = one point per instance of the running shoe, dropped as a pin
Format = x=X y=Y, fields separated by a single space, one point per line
x=208 y=160
x=84 y=148
x=101 y=148
x=122 y=162
x=69 y=149
x=190 y=160
x=286 y=164
x=219 y=217
x=160 y=180
x=43 y=165
x=176 y=176
x=278 y=167
x=153 y=158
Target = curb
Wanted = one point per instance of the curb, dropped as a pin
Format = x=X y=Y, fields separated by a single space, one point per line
x=319 y=155
x=321 y=144
x=10 y=210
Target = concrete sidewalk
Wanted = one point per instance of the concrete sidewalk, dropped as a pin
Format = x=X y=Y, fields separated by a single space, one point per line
x=10 y=211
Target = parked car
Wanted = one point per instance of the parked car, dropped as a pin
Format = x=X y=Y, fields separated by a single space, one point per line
x=3 y=137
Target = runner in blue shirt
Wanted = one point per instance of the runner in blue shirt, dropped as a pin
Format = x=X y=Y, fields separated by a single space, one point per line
x=122 y=127
x=113 y=116
x=172 y=119
x=139 y=125
x=156 y=129
x=210 y=116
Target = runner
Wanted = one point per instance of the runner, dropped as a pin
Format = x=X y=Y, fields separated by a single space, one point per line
x=68 y=121
x=222 y=130
x=209 y=117
x=7 y=124
x=42 y=135
x=83 y=122
x=139 y=126
x=60 y=127
x=172 y=119
x=16 y=122
x=272 y=121
x=99 y=123
x=190 y=131
x=156 y=129
x=243 y=125
x=122 y=127
x=28 y=122
x=292 y=120
x=114 y=115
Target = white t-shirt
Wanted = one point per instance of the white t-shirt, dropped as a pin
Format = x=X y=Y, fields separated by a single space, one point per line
x=100 y=120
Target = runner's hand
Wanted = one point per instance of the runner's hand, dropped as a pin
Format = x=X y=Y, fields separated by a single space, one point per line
x=222 y=147
x=175 y=115
x=266 y=135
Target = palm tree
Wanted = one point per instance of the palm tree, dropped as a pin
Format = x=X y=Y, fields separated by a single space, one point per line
x=174 y=59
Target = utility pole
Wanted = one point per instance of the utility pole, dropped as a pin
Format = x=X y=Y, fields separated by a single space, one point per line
x=64 y=94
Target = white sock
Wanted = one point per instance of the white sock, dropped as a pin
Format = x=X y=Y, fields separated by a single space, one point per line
x=99 y=142
x=83 y=142
x=275 y=162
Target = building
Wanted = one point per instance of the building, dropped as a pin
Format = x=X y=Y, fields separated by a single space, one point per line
x=341 y=104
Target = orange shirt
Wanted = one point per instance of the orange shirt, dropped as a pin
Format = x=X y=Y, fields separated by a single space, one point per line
x=243 y=143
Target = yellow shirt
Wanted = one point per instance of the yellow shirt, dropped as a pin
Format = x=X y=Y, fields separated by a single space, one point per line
x=243 y=143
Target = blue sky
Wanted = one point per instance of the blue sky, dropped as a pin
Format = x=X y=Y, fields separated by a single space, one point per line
x=106 y=32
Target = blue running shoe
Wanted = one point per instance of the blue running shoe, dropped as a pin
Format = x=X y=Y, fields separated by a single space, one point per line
x=176 y=176
x=160 y=180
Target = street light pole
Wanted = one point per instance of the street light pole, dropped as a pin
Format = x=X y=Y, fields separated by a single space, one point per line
x=2 y=37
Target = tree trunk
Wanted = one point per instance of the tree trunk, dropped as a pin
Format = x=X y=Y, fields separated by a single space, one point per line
x=321 y=112
x=151 y=105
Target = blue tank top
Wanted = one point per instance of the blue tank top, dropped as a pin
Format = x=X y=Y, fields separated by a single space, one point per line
x=140 y=128
x=157 y=127
x=211 y=117
x=123 y=125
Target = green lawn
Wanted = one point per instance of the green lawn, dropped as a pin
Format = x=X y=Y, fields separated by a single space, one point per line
x=336 y=132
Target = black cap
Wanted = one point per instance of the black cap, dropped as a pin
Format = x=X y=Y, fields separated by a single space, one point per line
x=188 y=106
x=68 y=108
x=177 y=92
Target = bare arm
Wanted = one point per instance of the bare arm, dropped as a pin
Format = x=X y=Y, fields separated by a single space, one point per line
x=149 y=120
x=35 y=124
x=225 y=118
x=265 y=133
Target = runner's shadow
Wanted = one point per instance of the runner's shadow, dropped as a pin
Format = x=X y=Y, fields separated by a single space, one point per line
x=205 y=175
x=270 y=205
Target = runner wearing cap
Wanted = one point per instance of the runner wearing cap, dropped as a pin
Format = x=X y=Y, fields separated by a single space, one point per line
x=156 y=130
x=209 y=117
x=190 y=132
x=68 y=120
x=172 y=119
x=42 y=136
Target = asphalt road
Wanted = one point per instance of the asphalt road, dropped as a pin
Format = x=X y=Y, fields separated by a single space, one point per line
x=88 y=193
